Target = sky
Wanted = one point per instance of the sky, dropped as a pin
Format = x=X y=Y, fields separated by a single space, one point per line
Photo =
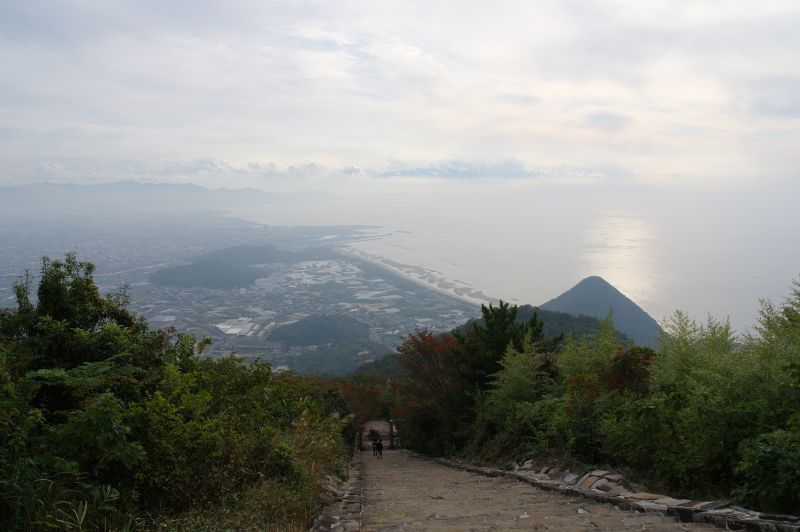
x=655 y=143
x=329 y=95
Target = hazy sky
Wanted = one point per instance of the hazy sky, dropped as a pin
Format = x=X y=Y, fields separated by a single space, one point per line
x=308 y=94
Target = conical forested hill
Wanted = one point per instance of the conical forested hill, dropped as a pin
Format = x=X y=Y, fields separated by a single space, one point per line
x=594 y=296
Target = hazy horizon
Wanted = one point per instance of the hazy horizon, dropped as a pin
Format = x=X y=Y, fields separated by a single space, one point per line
x=524 y=146
x=706 y=252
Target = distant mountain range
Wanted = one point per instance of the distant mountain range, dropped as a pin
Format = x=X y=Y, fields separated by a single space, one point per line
x=595 y=297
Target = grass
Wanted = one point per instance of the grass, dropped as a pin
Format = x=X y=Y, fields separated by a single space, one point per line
x=267 y=506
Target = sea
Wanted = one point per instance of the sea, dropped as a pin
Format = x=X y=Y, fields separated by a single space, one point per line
x=708 y=251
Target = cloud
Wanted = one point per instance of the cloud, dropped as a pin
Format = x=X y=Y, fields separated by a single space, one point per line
x=455 y=169
x=526 y=88
x=498 y=170
x=213 y=172
x=777 y=97
x=204 y=171
x=610 y=122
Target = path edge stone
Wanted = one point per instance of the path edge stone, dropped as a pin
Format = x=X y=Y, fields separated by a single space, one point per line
x=718 y=513
x=344 y=513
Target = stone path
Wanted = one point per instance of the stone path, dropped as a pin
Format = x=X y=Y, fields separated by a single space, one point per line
x=402 y=492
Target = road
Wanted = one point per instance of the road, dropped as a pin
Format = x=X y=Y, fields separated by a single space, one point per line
x=402 y=492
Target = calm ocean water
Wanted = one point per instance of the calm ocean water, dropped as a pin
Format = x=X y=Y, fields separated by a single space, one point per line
x=703 y=251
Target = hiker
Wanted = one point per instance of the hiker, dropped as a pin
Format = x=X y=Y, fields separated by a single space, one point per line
x=374 y=448
x=379 y=447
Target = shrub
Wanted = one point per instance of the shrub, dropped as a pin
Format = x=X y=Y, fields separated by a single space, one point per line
x=769 y=472
x=104 y=420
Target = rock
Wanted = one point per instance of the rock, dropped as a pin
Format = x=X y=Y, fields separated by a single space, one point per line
x=760 y=525
x=600 y=496
x=602 y=485
x=582 y=511
x=644 y=496
x=706 y=505
x=524 y=515
x=781 y=517
x=347 y=526
x=618 y=490
x=548 y=484
x=352 y=508
x=588 y=481
x=613 y=477
x=683 y=513
x=745 y=511
x=599 y=473
x=569 y=478
x=669 y=501
x=647 y=506
x=722 y=511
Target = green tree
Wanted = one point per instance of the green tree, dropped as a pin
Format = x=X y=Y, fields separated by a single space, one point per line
x=105 y=421
x=486 y=341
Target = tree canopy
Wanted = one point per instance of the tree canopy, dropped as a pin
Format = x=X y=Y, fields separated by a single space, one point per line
x=108 y=423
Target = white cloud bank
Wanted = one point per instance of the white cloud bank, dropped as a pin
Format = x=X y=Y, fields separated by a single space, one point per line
x=249 y=92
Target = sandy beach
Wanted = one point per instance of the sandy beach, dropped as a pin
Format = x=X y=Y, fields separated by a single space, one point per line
x=424 y=277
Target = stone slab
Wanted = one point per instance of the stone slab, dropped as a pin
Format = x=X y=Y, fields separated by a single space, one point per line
x=602 y=485
x=647 y=506
x=644 y=496
x=669 y=501
x=588 y=481
x=570 y=478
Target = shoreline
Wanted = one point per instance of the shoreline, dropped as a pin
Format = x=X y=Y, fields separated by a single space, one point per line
x=470 y=295
x=385 y=263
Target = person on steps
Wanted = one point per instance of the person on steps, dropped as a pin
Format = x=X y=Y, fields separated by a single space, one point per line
x=379 y=447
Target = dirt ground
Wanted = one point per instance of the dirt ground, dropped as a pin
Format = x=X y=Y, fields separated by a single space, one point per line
x=402 y=492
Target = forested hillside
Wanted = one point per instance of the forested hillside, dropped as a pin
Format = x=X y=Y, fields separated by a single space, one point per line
x=108 y=424
x=233 y=267
x=703 y=415
x=595 y=297
x=316 y=330
x=337 y=343
x=556 y=323
x=216 y=274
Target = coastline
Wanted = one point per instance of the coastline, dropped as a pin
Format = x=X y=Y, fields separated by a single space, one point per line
x=454 y=289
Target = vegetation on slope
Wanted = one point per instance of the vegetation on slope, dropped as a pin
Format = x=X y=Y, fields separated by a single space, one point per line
x=594 y=296
x=558 y=323
x=342 y=343
x=555 y=324
x=214 y=274
x=232 y=267
x=266 y=254
x=323 y=329
x=108 y=424
x=703 y=414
